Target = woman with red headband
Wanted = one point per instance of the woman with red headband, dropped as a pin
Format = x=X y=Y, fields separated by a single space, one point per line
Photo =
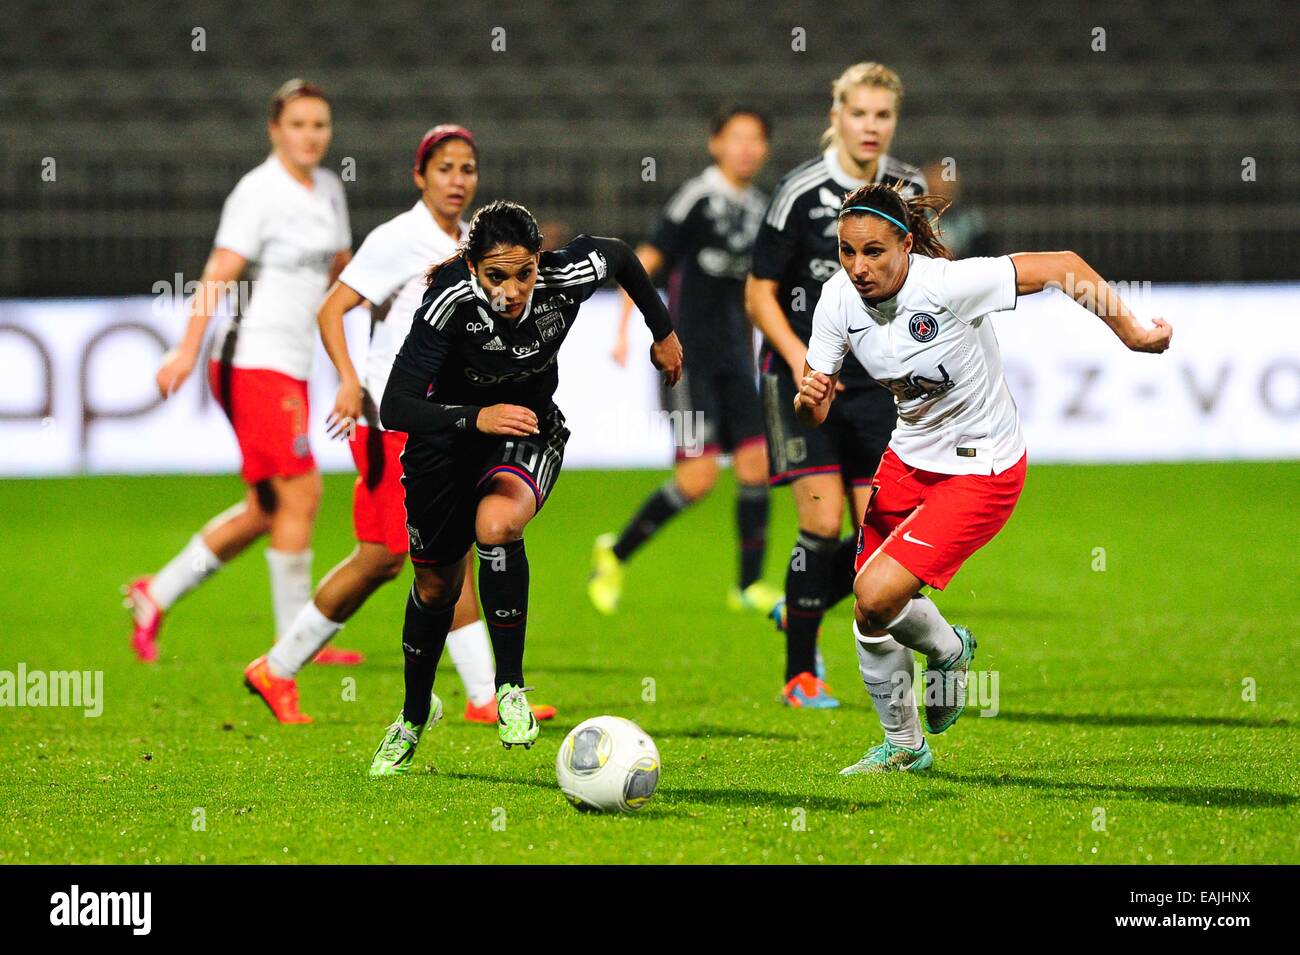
x=287 y=220
x=388 y=275
x=955 y=465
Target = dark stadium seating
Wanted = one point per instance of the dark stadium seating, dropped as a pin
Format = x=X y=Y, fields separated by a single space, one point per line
x=1132 y=154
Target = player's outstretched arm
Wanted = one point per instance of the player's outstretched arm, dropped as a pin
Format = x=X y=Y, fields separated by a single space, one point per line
x=816 y=392
x=626 y=268
x=347 y=401
x=652 y=261
x=223 y=267
x=1068 y=271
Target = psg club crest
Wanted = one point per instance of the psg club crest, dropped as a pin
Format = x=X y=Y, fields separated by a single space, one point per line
x=923 y=327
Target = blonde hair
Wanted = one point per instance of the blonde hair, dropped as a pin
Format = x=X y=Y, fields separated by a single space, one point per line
x=861 y=74
x=291 y=90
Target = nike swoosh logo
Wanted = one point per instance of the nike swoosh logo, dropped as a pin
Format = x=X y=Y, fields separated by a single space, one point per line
x=853 y=331
x=907 y=536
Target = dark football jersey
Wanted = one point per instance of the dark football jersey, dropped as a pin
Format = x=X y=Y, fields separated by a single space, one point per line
x=797 y=244
x=472 y=355
x=706 y=235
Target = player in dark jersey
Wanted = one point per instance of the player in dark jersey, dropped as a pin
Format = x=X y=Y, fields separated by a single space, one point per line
x=473 y=387
x=703 y=242
x=796 y=250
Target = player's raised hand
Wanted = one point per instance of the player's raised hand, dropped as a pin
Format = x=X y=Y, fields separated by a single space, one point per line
x=513 y=420
x=1155 y=339
x=175 y=368
x=346 y=412
x=666 y=355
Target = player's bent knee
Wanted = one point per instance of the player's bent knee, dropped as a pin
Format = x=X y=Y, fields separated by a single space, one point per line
x=751 y=468
x=697 y=489
x=390 y=568
x=875 y=606
x=437 y=592
x=256 y=518
x=494 y=529
x=874 y=615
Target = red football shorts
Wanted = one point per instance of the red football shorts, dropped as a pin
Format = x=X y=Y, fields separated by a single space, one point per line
x=931 y=523
x=378 y=500
x=268 y=410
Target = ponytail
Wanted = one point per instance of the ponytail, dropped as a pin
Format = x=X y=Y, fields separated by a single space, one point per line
x=437 y=267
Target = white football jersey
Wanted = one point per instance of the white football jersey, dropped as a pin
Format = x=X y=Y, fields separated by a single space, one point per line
x=390 y=265
x=289 y=234
x=932 y=346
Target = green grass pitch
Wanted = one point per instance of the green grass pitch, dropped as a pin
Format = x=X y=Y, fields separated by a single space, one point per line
x=1125 y=732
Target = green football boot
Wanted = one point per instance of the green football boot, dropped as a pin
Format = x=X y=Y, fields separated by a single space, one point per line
x=516 y=724
x=888 y=758
x=605 y=585
x=944 y=686
x=759 y=596
x=397 y=750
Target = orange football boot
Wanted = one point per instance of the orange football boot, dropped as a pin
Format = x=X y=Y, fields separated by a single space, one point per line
x=280 y=695
x=335 y=657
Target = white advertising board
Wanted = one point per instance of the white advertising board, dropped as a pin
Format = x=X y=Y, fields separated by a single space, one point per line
x=77 y=393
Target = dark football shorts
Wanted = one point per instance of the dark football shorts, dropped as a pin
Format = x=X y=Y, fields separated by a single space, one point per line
x=849 y=442
x=713 y=411
x=442 y=499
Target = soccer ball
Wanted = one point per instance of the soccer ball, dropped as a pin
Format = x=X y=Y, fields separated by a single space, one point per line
x=608 y=764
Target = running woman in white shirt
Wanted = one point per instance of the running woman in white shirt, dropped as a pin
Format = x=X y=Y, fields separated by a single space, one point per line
x=388 y=274
x=950 y=478
x=288 y=221
x=831 y=466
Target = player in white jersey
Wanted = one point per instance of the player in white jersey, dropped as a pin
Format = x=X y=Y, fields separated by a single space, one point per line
x=830 y=467
x=918 y=323
x=388 y=274
x=285 y=224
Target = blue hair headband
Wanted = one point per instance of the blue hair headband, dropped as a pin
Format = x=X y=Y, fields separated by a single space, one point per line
x=877 y=212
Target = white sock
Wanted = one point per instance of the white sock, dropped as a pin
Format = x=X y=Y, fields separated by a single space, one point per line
x=290 y=584
x=297 y=645
x=887 y=668
x=472 y=654
x=193 y=565
x=921 y=627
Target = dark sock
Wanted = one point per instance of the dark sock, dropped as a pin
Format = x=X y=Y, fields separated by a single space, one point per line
x=751 y=525
x=503 y=590
x=423 y=636
x=839 y=583
x=659 y=508
x=805 y=600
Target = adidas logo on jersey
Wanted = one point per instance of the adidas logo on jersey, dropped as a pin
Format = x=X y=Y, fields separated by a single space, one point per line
x=495 y=345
